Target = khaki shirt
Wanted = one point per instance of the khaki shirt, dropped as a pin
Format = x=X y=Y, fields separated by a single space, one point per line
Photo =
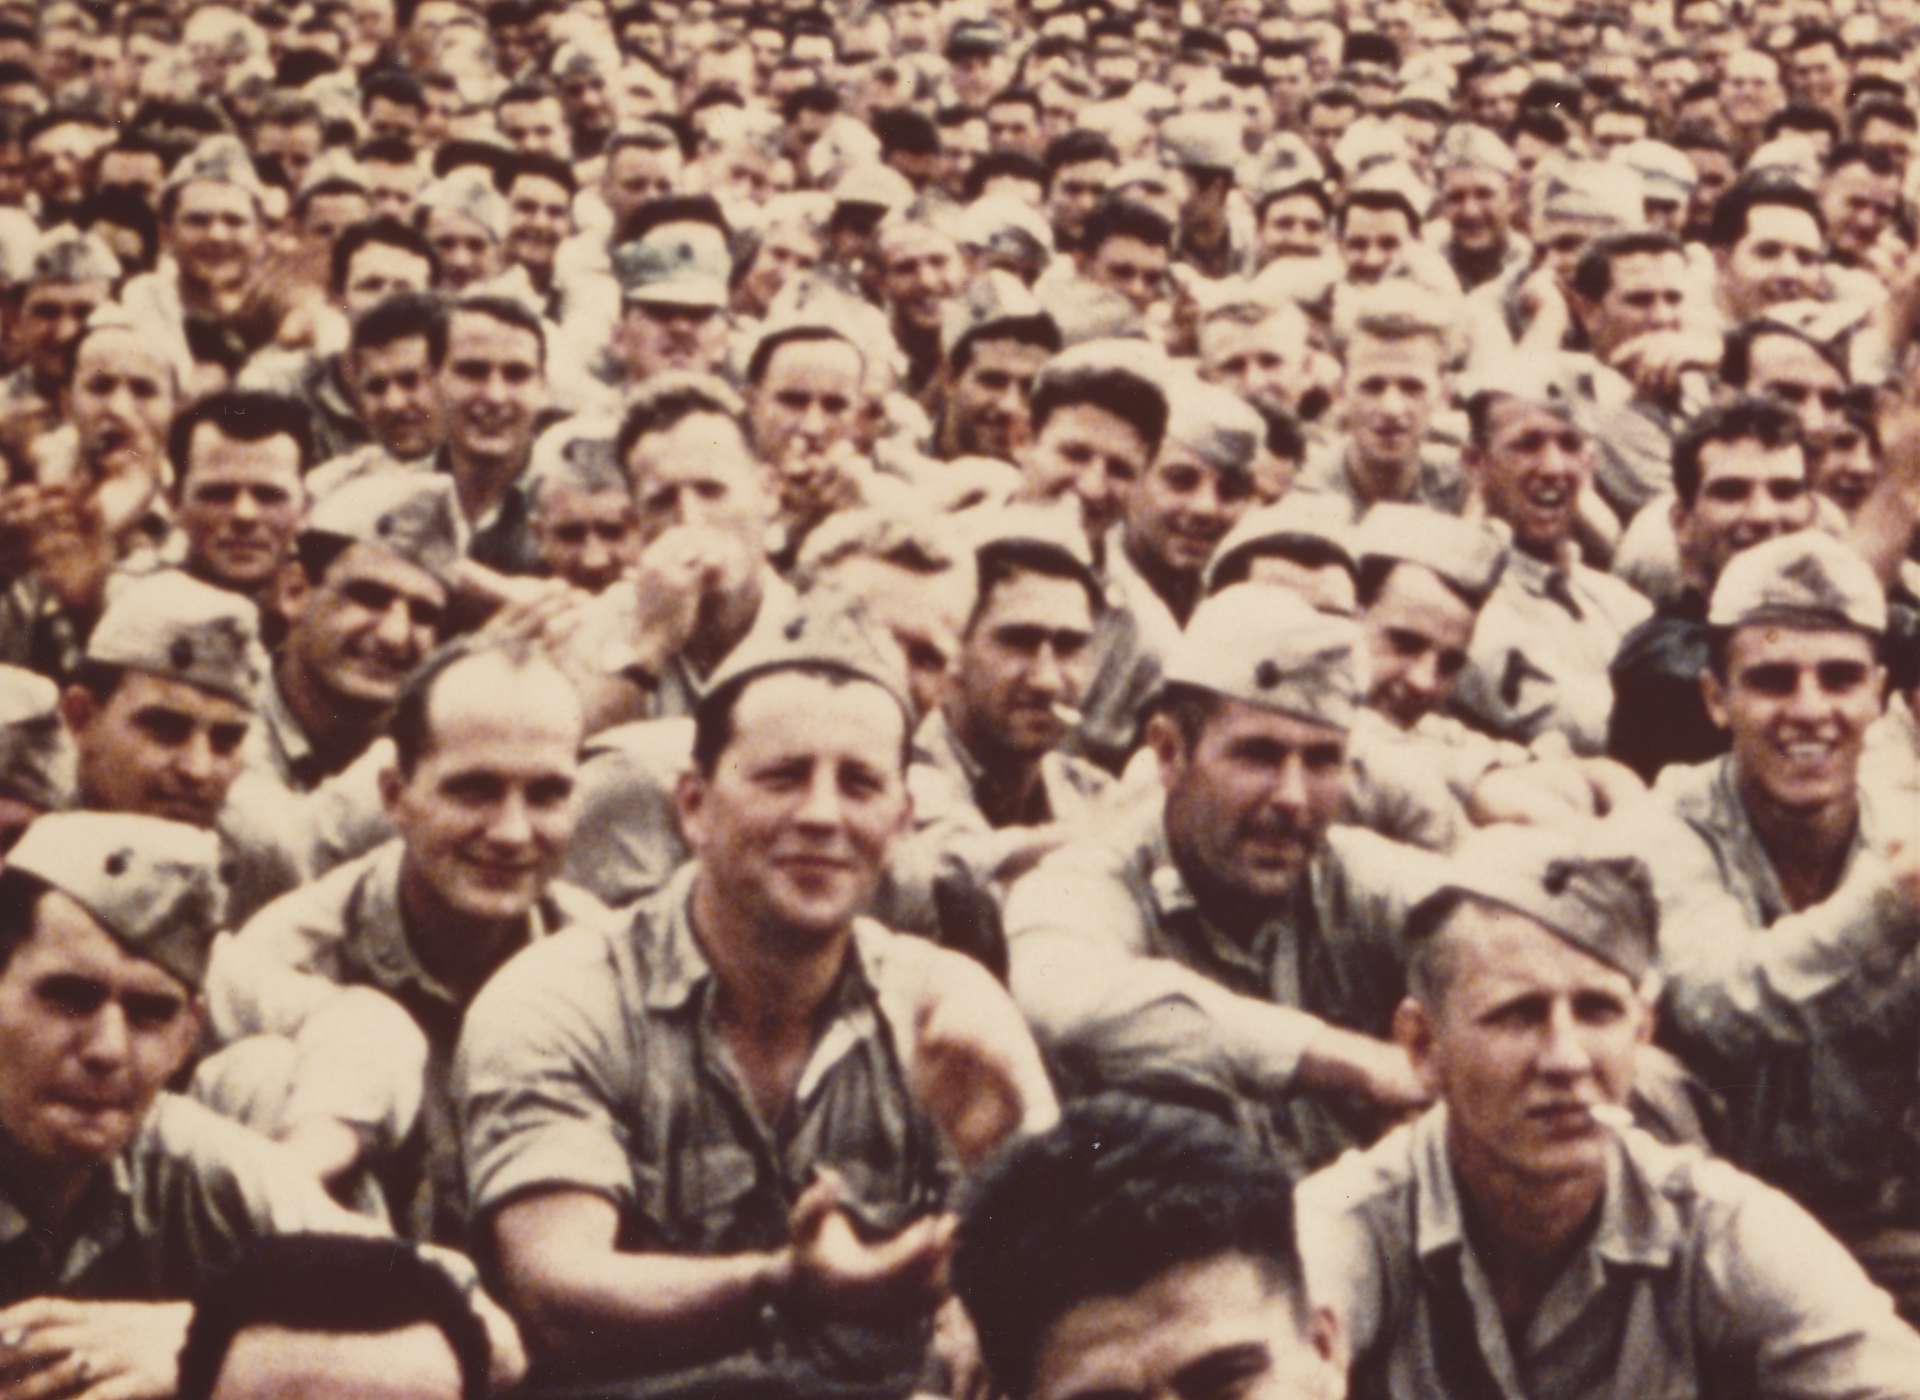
x=593 y=1062
x=1126 y=981
x=1397 y=784
x=1808 y=1024
x=1540 y=652
x=1440 y=484
x=1131 y=640
x=1697 y=1280
x=1070 y=789
x=294 y=960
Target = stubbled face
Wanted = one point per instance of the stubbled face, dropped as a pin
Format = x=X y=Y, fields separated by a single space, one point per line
x=240 y=507
x=1249 y=803
x=1532 y=472
x=489 y=808
x=793 y=826
x=1418 y=631
x=587 y=538
x=1748 y=494
x=1530 y=1036
x=1076 y=192
x=1026 y=654
x=399 y=395
x=158 y=747
x=988 y=400
x=1214 y=1327
x=90 y=1034
x=1797 y=703
x=1090 y=454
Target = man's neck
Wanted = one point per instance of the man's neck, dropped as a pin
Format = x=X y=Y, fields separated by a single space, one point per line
x=219 y=301
x=455 y=949
x=1179 y=591
x=1378 y=480
x=1008 y=781
x=1807 y=847
x=47 y=1194
x=1523 y=1229
x=773 y=982
x=482 y=480
x=336 y=728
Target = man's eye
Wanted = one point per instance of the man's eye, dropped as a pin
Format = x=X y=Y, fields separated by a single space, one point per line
x=72 y=996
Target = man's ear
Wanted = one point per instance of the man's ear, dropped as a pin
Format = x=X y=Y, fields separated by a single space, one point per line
x=1169 y=748
x=1715 y=696
x=1328 y=1337
x=78 y=708
x=1413 y=1032
x=689 y=801
x=291 y=590
x=392 y=785
x=183 y=1036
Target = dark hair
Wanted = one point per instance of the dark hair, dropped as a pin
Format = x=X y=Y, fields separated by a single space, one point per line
x=1304 y=550
x=1541 y=125
x=1376 y=569
x=387 y=230
x=657 y=413
x=1136 y=401
x=329 y=1283
x=395 y=85
x=903 y=131
x=123 y=206
x=1385 y=200
x=1848 y=153
x=1882 y=109
x=1735 y=208
x=542 y=166
x=507 y=311
x=1077 y=147
x=1038 y=330
x=1800 y=116
x=672 y=209
x=771 y=345
x=815 y=97
x=42 y=122
x=1593 y=274
x=1696 y=137
x=397 y=317
x=246 y=415
x=1000 y=165
x=1736 y=358
x=1001 y=560
x=1124 y=218
x=1310 y=188
x=1745 y=417
x=1025 y=97
x=1283 y=437
x=713 y=716
x=452 y=155
x=1120 y=1191
x=1813 y=36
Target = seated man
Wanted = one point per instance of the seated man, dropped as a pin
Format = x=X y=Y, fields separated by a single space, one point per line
x=719 y=1139
x=121 y=1201
x=1515 y=1241
x=358 y=980
x=1139 y=1249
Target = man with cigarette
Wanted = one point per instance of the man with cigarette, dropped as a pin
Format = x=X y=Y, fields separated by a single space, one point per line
x=1520 y=1239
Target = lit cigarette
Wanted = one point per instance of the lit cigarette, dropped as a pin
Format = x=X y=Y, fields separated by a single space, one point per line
x=1067 y=715
x=1610 y=1115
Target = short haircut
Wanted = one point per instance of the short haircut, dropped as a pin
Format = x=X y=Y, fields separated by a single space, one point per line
x=329 y=1283
x=665 y=401
x=387 y=230
x=1137 y=402
x=713 y=717
x=1003 y=560
x=1882 y=109
x=1390 y=200
x=1734 y=209
x=393 y=85
x=672 y=209
x=1736 y=421
x=1038 y=330
x=1801 y=116
x=1078 y=147
x=1429 y=960
x=1115 y=1195
x=541 y=166
x=19 y=901
x=1593 y=274
x=1125 y=218
x=1736 y=358
x=246 y=415
x=411 y=727
x=398 y=317
x=770 y=345
x=1004 y=165
x=507 y=311
x=1307 y=188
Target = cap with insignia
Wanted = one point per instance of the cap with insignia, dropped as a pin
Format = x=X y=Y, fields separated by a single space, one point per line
x=1303 y=519
x=680 y=264
x=1393 y=177
x=1593 y=897
x=468 y=192
x=222 y=159
x=153 y=884
x=1805 y=579
x=1267 y=646
x=1530 y=378
x=1285 y=163
x=575 y=454
x=1466 y=145
x=990 y=300
x=66 y=254
x=1468 y=554
x=828 y=629
x=173 y=625
x=1598 y=191
x=414 y=515
x=1214 y=424
x=1007 y=225
x=880 y=186
x=37 y=762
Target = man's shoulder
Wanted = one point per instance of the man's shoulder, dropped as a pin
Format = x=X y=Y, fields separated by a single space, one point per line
x=1366 y=1182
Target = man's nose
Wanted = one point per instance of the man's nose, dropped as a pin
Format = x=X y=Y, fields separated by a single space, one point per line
x=1563 y=1051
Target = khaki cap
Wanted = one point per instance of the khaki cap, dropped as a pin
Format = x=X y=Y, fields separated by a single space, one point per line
x=174 y=626
x=1807 y=578
x=414 y=515
x=1469 y=554
x=1267 y=646
x=37 y=762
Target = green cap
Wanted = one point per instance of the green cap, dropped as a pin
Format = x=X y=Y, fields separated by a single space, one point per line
x=174 y=626
x=1267 y=646
x=153 y=884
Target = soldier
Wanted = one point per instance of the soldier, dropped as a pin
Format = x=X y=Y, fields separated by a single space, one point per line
x=994 y=341
x=239 y=459
x=37 y=765
x=641 y=1206
x=1513 y=1241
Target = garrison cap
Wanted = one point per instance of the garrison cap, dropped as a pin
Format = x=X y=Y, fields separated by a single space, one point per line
x=1529 y=378
x=66 y=254
x=37 y=761
x=411 y=514
x=1213 y=423
x=880 y=186
x=1284 y=163
x=1465 y=144
x=174 y=626
x=1807 y=578
x=1664 y=170
x=1088 y=312
x=468 y=192
x=1601 y=191
x=1469 y=554
x=986 y=301
x=679 y=264
x=153 y=884
x=221 y=159
x=1267 y=646
x=1006 y=224
x=1597 y=899
x=1203 y=141
x=575 y=454
x=978 y=38
x=1298 y=518
x=827 y=629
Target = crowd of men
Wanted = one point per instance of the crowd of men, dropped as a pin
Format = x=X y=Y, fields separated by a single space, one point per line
x=1043 y=698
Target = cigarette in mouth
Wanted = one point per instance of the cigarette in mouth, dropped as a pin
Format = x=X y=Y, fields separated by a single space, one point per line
x=1610 y=1115
x=1067 y=715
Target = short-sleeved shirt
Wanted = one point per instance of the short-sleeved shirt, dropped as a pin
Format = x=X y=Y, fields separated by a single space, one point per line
x=594 y=1062
x=1695 y=1280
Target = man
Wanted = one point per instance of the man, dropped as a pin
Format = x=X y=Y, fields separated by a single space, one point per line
x=392 y=368
x=1860 y=199
x=1126 y=248
x=464 y=220
x=748 y=993
x=995 y=337
x=492 y=389
x=805 y=392
x=581 y=510
x=1770 y=245
x=1781 y=857
x=920 y=268
x=1476 y=171
x=37 y=766
x=71 y=274
x=1500 y=1244
x=1544 y=639
x=1374 y=230
x=1137 y=1249
x=239 y=460
x=1751 y=92
x=1222 y=941
x=1080 y=163
x=367 y=970
x=1740 y=479
x=539 y=191
x=673 y=297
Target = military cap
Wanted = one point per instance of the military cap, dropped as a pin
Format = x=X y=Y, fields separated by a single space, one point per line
x=414 y=515
x=66 y=254
x=989 y=300
x=1213 y=423
x=828 y=629
x=1267 y=646
x=575 y=57
x=1530 y=378
x=680 y=264
x=1469 y=554
x=1087 y=311
x=174 y=626
x=575 y=454
x=1576 y=883
x=221 y=159
x=1664 y=171
x=1284 y=163
x=1368 y=140
x=878 y=185
x=36 y=753
x=1005 y=223
x=153 y=884
x=1393 y=177
x=1203 y=141
x=1150 y=173
x=335 y=164
x=819 y=303
x=1601 y=191
x=976 y=38
x=1807 y=578
x=1298 y=518
x=1465 y=145
x=1052 y=528
x=468 y=192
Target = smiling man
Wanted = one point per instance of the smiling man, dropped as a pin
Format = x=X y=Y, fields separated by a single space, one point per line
x=239 y=459
x=1513 y=1241
x=492 y=390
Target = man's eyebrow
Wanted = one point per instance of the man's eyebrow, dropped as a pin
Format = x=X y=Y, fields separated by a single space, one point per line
x=1203 y=1374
